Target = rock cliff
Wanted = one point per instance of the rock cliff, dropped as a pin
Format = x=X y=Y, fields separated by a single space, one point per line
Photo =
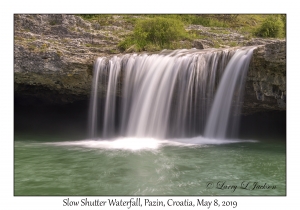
x=266 y=80
x=54 y=56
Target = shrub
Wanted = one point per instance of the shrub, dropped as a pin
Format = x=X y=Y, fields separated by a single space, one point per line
x=157 y=32
x=283 y=18
x=125 y=44
x=271 y=27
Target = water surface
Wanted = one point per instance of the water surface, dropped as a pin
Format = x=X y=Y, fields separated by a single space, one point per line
x=132 y=166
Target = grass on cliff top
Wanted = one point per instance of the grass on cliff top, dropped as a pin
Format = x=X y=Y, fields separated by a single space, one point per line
x=154 y=32
x=187 y=19
x=244 y=22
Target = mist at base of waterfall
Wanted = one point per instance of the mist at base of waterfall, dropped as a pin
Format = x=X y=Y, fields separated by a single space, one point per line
x=135 y=143
x=125 y=166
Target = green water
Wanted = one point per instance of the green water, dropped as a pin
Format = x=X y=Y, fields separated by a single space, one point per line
x=50 y=169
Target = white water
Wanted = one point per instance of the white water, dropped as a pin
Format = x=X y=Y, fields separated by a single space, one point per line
x=166 y=95
x=232 y=83
x=137 y=144
x=93 y=103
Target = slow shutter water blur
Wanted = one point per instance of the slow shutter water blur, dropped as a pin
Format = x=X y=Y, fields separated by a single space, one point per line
x=170 y=94
x=160 y=124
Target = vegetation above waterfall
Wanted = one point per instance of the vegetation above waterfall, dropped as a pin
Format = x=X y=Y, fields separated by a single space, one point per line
x=157 y=32
x=98 y=35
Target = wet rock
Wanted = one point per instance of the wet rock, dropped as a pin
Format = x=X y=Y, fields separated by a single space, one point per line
x=266 y=81
x=54 y=54
x=198 y=44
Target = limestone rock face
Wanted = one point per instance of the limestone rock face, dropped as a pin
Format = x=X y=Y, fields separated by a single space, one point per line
x=54 y=56
x=198 y=44
x=266 y=81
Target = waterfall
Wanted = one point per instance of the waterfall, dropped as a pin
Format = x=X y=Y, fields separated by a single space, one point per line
x=93 y=102
x=168 y=94
x=231 y=87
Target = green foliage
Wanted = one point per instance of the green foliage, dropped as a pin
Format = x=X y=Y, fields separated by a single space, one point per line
x=113 y=51
x=102 y=19
x=93 y=45
x=125 y=44
x=195 y=19
x=88 y=16
x=283 y=18
x=233 y=44
x=155 y=33
x=272 y=26
x=204 y=20
x=216 y=44
x=152 y=48
x=160 y=31
x=219 y=31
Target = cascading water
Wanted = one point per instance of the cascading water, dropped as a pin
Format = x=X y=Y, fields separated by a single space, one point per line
x=230 y=90
x=168 y=94
x=93 y=103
